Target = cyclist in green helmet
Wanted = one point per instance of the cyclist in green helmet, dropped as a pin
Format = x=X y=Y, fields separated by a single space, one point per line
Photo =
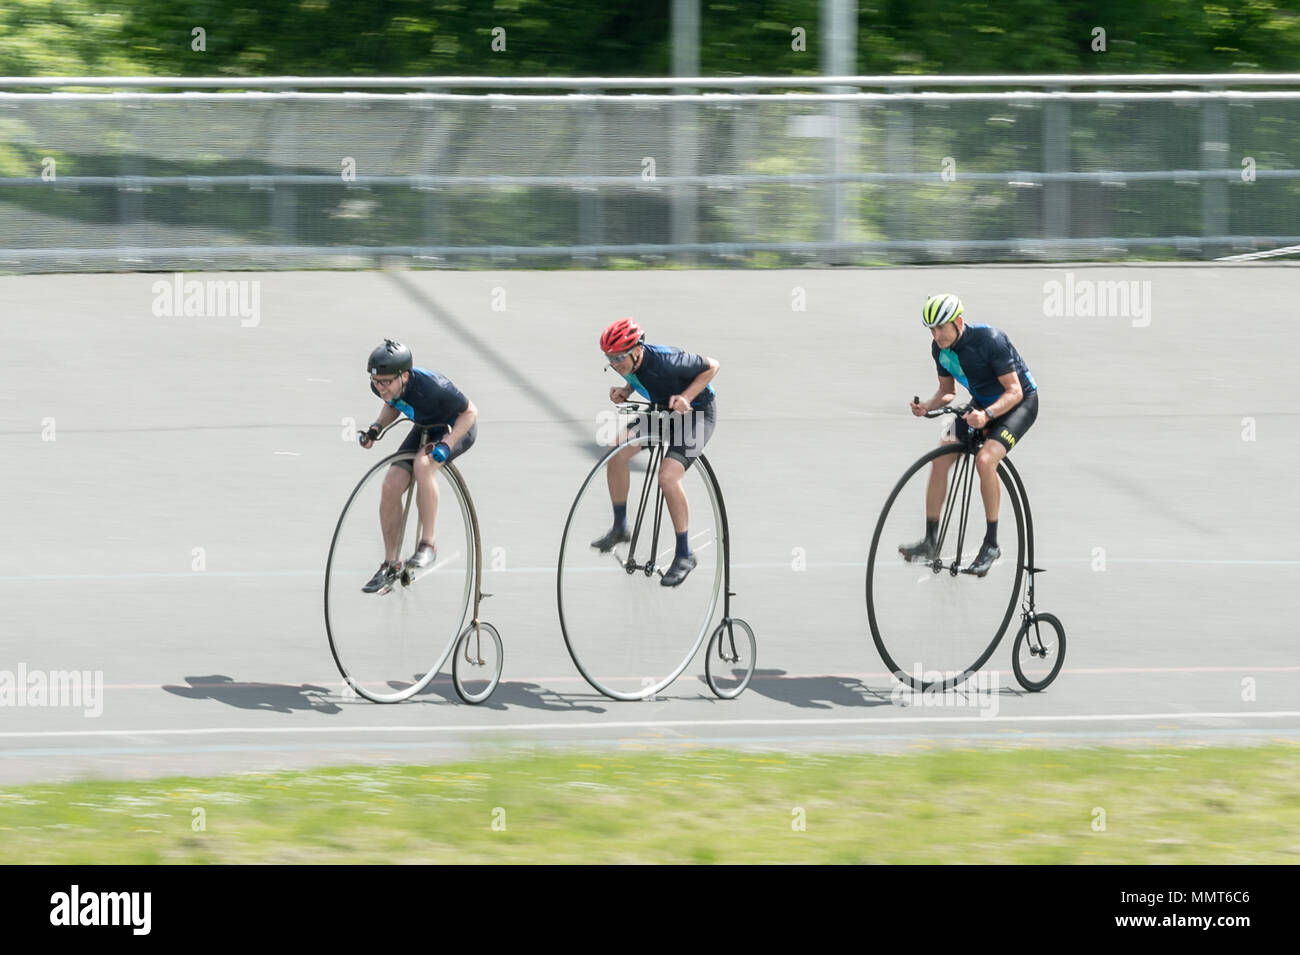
x=1005 y=399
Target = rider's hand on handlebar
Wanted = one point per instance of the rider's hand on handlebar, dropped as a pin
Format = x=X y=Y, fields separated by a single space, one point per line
x=918 y=407
x=368 y=437
x=619 y=395
x=678 y=403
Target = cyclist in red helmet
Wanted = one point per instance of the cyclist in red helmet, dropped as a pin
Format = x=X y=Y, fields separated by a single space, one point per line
x=680 y=380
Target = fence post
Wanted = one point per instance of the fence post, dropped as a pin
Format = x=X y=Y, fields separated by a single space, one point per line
x=1214 y=192
x=899 y=157
x=1056 y=158
x=591 y=203
x=431 y=147
x=685 y=134
x=283 y=156
x=839 y=21
x=744 y=147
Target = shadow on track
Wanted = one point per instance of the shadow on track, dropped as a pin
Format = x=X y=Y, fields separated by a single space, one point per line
x=530 y=695
x=273 y=697
x=816 y=692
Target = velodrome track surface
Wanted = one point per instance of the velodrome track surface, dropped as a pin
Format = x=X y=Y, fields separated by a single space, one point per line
x=182 y=433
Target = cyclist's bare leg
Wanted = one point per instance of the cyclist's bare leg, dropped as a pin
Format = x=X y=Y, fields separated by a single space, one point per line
x=986 y=465
x=396 y=482
x=617 y=474
x=937 y=490
x=426 y=495
x=671 y=473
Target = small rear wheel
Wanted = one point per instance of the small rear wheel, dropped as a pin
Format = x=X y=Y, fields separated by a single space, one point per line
x=1039 y=651
x=476 y=664
x=729 y=662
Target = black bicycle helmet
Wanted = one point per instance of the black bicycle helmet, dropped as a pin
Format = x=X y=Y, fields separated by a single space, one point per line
x=390 y=358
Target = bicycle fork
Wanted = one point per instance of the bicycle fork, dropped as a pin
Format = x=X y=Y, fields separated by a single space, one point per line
x=651 y=471
x=963 y=481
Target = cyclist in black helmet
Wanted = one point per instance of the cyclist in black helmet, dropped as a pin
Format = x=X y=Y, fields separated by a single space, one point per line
x=428 y=399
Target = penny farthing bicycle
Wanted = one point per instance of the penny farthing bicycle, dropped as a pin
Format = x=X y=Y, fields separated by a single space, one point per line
x=390 y=646
x=628 y=635
x=934 y=622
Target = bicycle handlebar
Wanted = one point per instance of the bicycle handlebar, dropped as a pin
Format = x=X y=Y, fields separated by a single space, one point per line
x=643 y=406
x=401 y=419
x=958 y=410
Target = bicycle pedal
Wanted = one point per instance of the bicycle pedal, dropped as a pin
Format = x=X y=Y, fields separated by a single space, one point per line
x=409 y=577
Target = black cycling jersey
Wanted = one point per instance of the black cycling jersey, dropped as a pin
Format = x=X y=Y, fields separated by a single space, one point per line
x=666 y=371
x=978 y=358
x=429 y=398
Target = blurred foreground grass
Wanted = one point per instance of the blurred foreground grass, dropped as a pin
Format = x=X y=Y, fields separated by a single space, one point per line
x=1229 y=805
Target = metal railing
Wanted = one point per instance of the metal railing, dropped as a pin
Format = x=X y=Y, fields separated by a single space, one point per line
x=277 y=176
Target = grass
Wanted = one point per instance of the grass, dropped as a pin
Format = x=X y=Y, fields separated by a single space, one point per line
x=1171 y=806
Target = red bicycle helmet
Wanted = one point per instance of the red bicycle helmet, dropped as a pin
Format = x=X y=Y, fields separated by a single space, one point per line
x=623 y=335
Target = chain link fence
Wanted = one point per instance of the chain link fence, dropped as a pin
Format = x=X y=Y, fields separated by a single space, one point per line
x=281 y=178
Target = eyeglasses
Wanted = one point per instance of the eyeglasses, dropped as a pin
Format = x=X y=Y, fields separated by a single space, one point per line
x=622 y=356
x=383 y=382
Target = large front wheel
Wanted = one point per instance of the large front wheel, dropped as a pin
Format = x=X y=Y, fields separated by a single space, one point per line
x=630 y=636
x=933 y=623
x=389 y=646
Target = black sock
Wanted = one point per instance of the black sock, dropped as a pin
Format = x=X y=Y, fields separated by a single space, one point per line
x=991 y=535
x=931 y=530
x=620 y=516
x=684 y=544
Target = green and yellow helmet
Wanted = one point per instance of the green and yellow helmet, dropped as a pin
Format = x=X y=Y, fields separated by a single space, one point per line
x=940 y=310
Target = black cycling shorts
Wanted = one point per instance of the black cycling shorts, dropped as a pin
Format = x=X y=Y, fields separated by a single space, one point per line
x=1010 y=427
x=413 y=439
x=685 y=434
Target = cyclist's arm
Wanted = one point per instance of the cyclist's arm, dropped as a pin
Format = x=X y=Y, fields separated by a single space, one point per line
x=387 y=416
x=1012 y=395
x=460 y=427
x=701 y=380
x=946 y=393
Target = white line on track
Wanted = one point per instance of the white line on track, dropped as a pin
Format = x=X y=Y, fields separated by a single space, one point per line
x=333 y=681
x=775 y=565
x=656 y=724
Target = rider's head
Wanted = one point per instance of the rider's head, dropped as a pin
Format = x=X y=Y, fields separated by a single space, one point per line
x=620 y=342
x=942 y=314
x=389 y=368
